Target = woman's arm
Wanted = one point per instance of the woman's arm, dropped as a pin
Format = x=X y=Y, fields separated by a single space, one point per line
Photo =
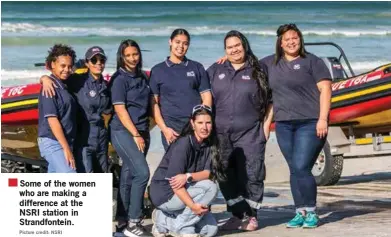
x=324 y=87
x=206 y=98
x=179 y=180
x=184 y=196
x=268 y=120
x=125 y=119
x=169 y=133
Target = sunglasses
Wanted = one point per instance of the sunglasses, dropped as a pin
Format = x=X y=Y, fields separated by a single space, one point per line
x=198 y=108
x=94 y=60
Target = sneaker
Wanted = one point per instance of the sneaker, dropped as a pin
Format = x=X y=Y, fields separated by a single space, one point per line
x=136 y=230
x=296 y=222
x=311 y=220
x=249 y=224
x=155 y=231
x=120 y=227
x=233 y=223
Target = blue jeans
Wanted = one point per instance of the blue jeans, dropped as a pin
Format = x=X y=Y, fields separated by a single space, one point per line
x=52 y=152
x=134 y=175
x=300 y=146
x=175 y=216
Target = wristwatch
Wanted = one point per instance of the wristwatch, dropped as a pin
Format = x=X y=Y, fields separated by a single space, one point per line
x=189 y=178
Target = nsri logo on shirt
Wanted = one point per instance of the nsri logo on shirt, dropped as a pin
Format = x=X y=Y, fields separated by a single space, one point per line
x=246 y=77
x=191 y=74
x=92 y=93
x=221 y=76
x=296 y=66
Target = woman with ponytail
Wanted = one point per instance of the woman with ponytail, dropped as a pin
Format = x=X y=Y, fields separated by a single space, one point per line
x=241 y=96
x=183 y=185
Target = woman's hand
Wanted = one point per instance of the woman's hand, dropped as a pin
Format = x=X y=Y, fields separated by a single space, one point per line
x=69 y=158
x=266 y=130
x=178 y=181
x=321 y=128
x=140 y=143
x=222 y=60
x=199 y=209
x=48 y=86
x=170 y=135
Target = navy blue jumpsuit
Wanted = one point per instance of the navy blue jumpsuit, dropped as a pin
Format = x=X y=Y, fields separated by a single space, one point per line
x=91 y=144
x=239 y=126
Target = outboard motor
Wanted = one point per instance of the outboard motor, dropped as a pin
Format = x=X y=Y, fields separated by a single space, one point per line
x=335 y=67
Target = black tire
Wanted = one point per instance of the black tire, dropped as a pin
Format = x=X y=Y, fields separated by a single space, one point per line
x=327 y=171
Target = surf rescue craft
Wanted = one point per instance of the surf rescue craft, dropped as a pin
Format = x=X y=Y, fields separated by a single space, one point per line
x=360 y=105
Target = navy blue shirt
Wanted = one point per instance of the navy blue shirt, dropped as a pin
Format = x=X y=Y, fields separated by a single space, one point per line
x=178 y=87
x=236 y=97
x=185 y=155
x=93 y=98
x=133 y=92
x=63 y=106
x=295 y=93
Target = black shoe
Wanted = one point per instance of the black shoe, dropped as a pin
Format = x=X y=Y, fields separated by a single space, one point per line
x=136 y=230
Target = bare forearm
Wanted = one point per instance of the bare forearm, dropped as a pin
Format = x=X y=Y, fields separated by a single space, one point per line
x=202 y=175
x=184 y=196
x=206 y=98
x=58 y=133
x=325 y=103
x=156 y=113
x=125 y=119
x=269 y=114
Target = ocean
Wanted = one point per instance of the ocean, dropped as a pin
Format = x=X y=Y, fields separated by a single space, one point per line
x=29 y=29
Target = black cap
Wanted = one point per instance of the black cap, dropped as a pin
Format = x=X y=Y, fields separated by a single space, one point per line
x=91 y=52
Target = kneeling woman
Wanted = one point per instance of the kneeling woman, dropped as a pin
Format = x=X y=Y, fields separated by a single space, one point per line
x=180 y=188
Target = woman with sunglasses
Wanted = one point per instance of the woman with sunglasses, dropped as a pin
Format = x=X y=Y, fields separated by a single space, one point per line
x=301 y=87
x=241 y=96
x=129 y=129
x=57 y=115
x=181 y=187
x=93 y=97
x=177 y=84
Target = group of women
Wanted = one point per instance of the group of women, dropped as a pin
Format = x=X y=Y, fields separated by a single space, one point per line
x=215 y=124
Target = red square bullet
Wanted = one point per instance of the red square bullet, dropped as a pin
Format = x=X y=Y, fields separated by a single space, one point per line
x=12 y=182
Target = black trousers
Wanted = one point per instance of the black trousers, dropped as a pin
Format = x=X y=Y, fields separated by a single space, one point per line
x=243 y=158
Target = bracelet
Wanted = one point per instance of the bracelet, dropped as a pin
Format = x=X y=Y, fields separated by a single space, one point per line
x=137 y=136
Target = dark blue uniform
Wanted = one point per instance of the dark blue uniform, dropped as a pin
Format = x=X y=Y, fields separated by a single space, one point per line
x=91 y=145
x=133 y=92
x=236 y=98
x=63 y=106
x=179 y=87
x=185 y=155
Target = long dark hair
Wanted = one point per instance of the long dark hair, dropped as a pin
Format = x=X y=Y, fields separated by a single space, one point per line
x=282 y=29
x=120 y=55
x=217 y=172
x=258 y=74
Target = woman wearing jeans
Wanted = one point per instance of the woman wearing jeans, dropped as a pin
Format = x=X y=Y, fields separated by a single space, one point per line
x=180 y=188
x=130 y=135
x=301 y=87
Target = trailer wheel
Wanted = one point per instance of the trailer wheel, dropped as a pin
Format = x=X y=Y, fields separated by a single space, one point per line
x=327 y=169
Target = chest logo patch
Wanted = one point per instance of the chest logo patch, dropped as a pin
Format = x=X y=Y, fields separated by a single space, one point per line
x=246 y=77
x=92 y=93
x=296 y=66
x=221 y=76
x=191 y=74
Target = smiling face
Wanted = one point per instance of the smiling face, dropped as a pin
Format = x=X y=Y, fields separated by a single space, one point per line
x=290 y=43
x=96 y=65
x=131 y=57
x=179 y=45
x=202 y=125
x=234 y=50
x=62 y=67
